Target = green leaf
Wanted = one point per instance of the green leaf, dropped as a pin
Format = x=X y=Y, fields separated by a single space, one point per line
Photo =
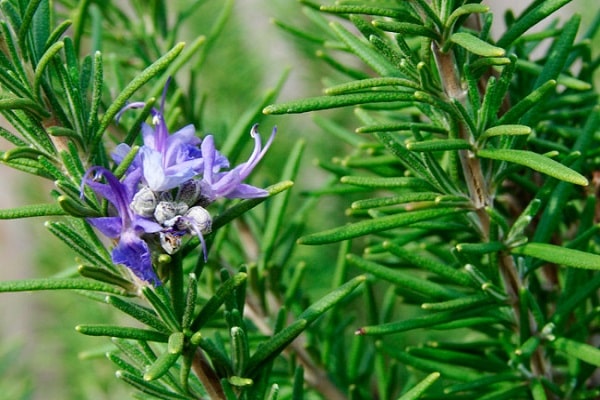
x=509 y=130
x=418 y=260
x=464 y=10
x=529 y=19
x=365 y=84
x=119 y=102
x=272 y=347
x=33 y=210
x=559 y=255
x=243 y=206
x=439 y=145
x=536 y=162
x=27 y=285
x=538 y=96
x=417 y=391
x=344 y=100
x=331 y=299
x=153 y=390
x=582 y=351
x=104 y=275
x=476 y=46
x=423 y=321
x=162 y=306
x=376 y=225
x=212 y=305
x=365 y=51
x=406 y=28
x=390 y=183
x=122 y=332
x=401 y=278
x=142 y=314
x=43 y=63
x=23 y=104
x=278 y=206
x=161 y=366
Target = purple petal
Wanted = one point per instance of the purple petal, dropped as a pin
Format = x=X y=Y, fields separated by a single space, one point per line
x=134 y=253
x=109 y=226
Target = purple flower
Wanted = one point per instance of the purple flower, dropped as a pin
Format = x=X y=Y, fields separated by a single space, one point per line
x=229 y=184
x=167 y=160
x=127 y=226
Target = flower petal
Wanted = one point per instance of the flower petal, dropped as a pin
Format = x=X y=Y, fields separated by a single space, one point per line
x=134 y=253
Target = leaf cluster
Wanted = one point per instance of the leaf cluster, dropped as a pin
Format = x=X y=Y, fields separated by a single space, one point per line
x=473 y=164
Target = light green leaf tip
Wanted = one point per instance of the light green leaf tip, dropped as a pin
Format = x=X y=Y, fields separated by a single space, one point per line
x=560 y=255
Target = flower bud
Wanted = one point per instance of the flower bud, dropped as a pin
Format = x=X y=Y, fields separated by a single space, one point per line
x=167 y=210
x=144 y=202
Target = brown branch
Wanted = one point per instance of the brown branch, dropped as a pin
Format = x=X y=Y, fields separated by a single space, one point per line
x=207 y=376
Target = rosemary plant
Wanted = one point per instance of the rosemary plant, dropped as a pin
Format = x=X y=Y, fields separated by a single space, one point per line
x=466 y=266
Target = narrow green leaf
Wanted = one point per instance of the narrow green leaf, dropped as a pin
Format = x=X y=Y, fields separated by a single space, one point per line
x=536 y=162
x=394 y=200
x=27 y=285
x=161 y=366
x=212 y=305
x=427 y=263
x=278 y=205
x=361 y=9
x=402 y=126
x=582 y=351
x=272 y=347
x=344 y=100
x=43 y=63
x=529 y=19
x=75 y=208
x=559 y=255
x=119 y=102
x=453 y=372
x=403 y=279
x=122 y=332
x=406 y=28
x=23 y=104
x=248 y=204
x=33 y=210
x=331 y=299
x=424 y=321
x=465 y=9
x=380 y=182
x=513 y=115
x=107 y=276
x=417 y=391
x=480 y=248
x=190 y=302
x=162 y=307
x=476 y=46
x=509 y=130
x=439 y=145
x=74 y=240
x=240 y=351
x=365 y=51
x=460 y=303
x=561 y=79
x=144 y=315
x=26 y=21
x=153 y=390
x=363 y=84
x=376 y=225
